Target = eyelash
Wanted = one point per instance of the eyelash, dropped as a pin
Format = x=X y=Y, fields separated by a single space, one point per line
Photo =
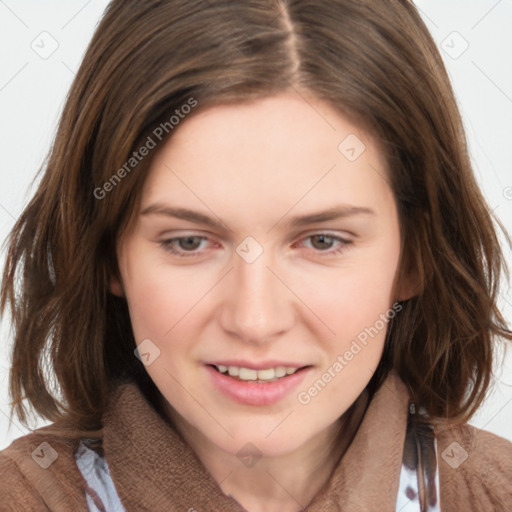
x=169 y=247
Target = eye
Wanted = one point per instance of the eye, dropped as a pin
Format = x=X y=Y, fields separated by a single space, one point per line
x=328 y=244
x=195 y=245
x=183 y=246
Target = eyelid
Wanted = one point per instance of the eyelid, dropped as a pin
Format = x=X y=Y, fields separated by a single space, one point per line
x=167 y=244
x=343 y=233
x=345 y=242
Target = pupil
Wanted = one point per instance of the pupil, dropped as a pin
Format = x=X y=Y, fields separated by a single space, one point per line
x=188 y=242
x=323 y=239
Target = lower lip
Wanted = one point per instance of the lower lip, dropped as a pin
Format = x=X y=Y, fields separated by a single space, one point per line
x=256 y=393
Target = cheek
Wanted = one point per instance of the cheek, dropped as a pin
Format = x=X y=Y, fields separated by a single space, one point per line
x=359 y=301
x=357 y=307
x=354 y=296
x=157 y=296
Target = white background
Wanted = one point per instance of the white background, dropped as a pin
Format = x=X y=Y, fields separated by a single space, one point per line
x=33 y=89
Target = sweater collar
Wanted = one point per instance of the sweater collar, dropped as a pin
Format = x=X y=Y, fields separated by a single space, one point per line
x=138 y=441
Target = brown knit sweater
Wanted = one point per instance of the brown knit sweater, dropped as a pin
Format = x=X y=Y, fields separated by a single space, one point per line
x=155 y=470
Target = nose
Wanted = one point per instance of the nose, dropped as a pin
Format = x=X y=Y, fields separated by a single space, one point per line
x=258 y=306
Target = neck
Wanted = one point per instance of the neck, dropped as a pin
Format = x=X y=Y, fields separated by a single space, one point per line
x=286 y=483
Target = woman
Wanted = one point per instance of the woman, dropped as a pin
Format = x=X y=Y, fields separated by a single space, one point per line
x=263 y=276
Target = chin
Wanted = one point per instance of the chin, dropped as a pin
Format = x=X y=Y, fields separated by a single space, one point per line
x=269 y=438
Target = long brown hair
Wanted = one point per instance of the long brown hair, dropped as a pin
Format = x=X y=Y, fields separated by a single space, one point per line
x=374 y=61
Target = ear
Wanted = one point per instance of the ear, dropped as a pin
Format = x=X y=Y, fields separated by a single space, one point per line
x=116 y=283
x=116 y=287
x=406 y=289
x=409 y=284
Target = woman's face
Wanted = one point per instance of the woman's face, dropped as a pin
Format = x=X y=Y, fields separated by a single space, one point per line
x=267 y=241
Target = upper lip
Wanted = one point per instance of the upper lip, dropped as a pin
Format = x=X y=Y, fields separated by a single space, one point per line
x=259 y=365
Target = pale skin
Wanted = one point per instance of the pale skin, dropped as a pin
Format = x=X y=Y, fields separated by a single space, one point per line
x=254 y=167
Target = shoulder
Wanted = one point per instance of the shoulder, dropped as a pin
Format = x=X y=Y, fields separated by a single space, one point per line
x=16 y=492
x=39 y=472
x=475 y=469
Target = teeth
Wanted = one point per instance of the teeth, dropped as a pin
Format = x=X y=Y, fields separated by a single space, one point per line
x=233 y=371
x=247 y=374
x=280 y=371
x=266 y=375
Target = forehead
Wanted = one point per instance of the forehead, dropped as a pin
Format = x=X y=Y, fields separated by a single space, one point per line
x=287 y=123
x=278 y=151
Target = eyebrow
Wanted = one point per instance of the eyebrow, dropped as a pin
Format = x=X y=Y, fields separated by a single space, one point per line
x=334 y=213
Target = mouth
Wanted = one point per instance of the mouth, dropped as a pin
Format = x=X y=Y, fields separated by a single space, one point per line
x=261 y=376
